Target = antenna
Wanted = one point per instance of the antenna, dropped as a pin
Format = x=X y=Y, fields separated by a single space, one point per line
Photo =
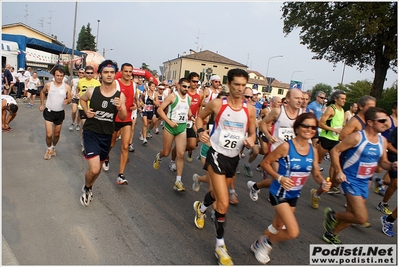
x=41 y=22
x=197 y=42
x=26 y=15
x=51 y=14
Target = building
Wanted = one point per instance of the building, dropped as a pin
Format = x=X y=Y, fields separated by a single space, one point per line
x=36 y=49
x=207 y=63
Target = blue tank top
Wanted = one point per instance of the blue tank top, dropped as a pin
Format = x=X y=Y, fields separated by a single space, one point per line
x=360 y=162
x=295 y=166
x=387 y=132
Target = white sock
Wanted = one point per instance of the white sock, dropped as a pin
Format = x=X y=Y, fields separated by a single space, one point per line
x=203 y=208
x=219 y=242
x=178 y=179
x=232 y=191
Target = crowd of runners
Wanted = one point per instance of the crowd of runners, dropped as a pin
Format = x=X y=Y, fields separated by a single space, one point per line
x=292 y=135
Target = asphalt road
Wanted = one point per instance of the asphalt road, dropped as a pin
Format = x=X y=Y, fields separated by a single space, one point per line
x=144 y=223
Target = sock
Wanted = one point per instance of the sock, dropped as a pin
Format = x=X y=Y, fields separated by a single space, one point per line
x=220 y=221
x=49 y=148
x=219 y=242
x=178 y=179
x=390 y=219
x=255 y=186
x=232 y=191
x=208 y=200
x=203 y=208
x=384 y=203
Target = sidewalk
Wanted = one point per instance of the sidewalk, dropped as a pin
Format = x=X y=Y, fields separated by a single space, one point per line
x=8 y=257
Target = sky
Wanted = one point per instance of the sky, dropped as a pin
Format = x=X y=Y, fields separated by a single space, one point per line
x=151 y=32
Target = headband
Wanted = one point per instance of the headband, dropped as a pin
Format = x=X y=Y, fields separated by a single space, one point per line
x=108 y=66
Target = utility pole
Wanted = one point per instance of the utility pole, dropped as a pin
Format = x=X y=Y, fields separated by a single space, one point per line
x=51 y=16
x=26 y=15
x=197 y=42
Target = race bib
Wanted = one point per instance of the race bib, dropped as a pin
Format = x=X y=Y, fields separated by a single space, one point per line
x=286 y=134
x=148 y=107
x=366 y=170
x=231 y=140
x=298 y=179
x=334 y=133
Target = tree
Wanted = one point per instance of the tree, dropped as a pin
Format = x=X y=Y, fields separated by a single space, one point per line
x=356 y=90
x=321 y=87
x=360 y=34
x=144 y=66
x=86 y=41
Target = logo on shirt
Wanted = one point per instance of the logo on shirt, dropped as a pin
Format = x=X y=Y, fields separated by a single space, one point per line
x=296 y=167
x=104 y=104
x=295 y=159
x=309 y=160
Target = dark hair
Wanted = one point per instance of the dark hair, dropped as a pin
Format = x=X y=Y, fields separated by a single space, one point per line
x=59 y=69
x=353 y=104
x=88 y=67
x=301 y=118
x=13 y=108
x=223 y=93
x=150 y=83
x=126 y=64
x=236 y=73
x=192 y=75
x=335 y=95
x=107 y=63
x=371 y=113
x=394 y=105
x=183 y=80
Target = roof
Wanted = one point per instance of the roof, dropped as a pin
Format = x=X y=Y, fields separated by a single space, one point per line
x=52 y=37
x=207 y=55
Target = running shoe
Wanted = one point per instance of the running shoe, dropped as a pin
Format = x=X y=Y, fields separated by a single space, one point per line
x=381 y=190
x=258 y=168
x=83 y=150
x=71 y=127
x=178 y=186
x=121 y=180
x=77 y=127
x=32 y=106
x=331 y=238
x=53 y=153
x=384 y=208
x=131 y=148
x=327 y=157
x=199 y=219
x=157 y=162
x=253 y=194
x=119 y=138
x=387 y=227
x=189 y=156
x=86 y=197
x=242 y=155
x=233 y=198
x=314 y=201
x=196 y=184
x=172 y=166
x=248 y=170
x=321 y=168
x=47 y=156
x=222 y=256
x=213 y=215
x=9 y=128
x=149 y=135
x=364 y=225
x=261 y=248
x=106 y=165
x=329 y=223
x=28 y=105
x=5 y=130
x=376 y=184
x=145 y=141
x=334 y=190
x=238 y=170
x=141 y=138
x=156 y=131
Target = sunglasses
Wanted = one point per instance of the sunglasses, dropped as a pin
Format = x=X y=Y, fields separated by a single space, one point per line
x=381 y=120
x=89 y=72
x=308 y=126
x=81 y=72
x=194 y=81
x=248 y=96
x=321 y=97
x=185 y=86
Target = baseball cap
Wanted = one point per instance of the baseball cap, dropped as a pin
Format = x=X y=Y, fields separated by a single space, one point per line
x=255 y=92
x=214 y=78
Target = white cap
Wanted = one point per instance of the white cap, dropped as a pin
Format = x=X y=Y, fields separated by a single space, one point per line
x=20 y=69
x=255 y=92
x=214 y=78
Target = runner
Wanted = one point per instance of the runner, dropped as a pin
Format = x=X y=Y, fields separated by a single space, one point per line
x=282 y=118
x=32 y=84
x=287 y=184
x=148 y=101
x=124 y=127
x=10 y=106
x=58 y=95
x=75 y=100
x=233 y=119
x=355 y=159
x=178 y=104
x=105 y=103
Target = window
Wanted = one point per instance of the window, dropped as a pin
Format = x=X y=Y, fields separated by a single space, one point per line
x=215 y=66
x=264 y=89
x=224 y=80
x=186 y=72
x=280 y=91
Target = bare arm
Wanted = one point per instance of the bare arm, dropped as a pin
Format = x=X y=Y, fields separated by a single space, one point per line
x=350 y=127
x=42 y=94
x=384 y=162
x=266 y=122
x=329 y=113
x=168 y=100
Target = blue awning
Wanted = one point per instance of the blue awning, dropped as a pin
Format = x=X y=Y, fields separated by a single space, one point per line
x=24 y=42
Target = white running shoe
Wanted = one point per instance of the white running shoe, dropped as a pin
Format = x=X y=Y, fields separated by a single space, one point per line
x=262 y=249
x=172 y=166
x=253 y=194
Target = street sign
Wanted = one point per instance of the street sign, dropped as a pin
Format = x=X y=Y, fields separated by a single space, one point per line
x=296 y=84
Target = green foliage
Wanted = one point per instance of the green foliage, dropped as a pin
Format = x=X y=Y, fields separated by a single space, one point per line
x=361 y=34
x=320 y=87
x=86 y=41
x=355 y=90
x=389 y=96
